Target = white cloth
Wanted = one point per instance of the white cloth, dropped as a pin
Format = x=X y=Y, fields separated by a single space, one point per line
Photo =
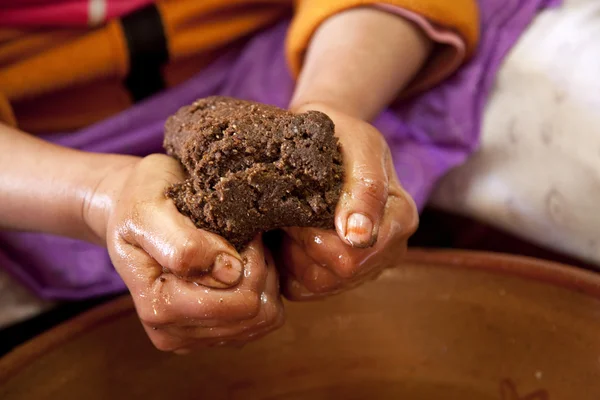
x=537 y=173
x=16 y=302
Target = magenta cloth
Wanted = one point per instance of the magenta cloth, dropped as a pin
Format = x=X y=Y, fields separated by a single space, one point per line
x=427 y=135
x=63 y=13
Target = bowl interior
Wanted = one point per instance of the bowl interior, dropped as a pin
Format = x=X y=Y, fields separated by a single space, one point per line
x=440 y=326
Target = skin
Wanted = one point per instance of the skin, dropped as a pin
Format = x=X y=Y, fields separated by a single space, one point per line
x=357 y=64
x=191 y=288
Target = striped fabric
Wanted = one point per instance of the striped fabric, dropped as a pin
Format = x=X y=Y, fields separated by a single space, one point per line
x=64 y=13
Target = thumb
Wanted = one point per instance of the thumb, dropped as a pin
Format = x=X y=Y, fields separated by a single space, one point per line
x=151 y=222
x=365 y=192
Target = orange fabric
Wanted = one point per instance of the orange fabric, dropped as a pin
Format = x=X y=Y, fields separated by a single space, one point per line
x=459 y=15
x=7 y=35
x=194 y=26
x=74 y=107
x=63 y=80
x=33 y=43
x=98 y=55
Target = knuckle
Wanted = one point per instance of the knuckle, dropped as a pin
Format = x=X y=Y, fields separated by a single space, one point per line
x=411 y=222
x=320 y=285
x=132 y=227
x=276 y=316
x=152 y=159
x=270 y=312
x=372 y=188
x=405 y=212
x=259 y=276
x=154 y=318
x=346 y=267
x=137 y=212
x=251 y=306
x=279 y=319
x=207 y=312
x=322 y=289
x=164 y=343
x=183 y=254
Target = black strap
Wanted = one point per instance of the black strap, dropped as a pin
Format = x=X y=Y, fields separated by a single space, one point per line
x=145 y=36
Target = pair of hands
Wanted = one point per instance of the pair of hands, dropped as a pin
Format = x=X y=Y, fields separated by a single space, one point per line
x=192 y=289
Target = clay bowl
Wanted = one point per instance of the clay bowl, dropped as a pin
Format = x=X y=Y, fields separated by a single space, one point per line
x=441 y=326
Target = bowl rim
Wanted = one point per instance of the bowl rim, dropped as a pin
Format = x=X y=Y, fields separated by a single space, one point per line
x=549 y=272
x=545 y=271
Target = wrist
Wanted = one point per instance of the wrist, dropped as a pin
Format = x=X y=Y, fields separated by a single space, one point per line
x=103 y=188
x=326 y=102
x=330 y=108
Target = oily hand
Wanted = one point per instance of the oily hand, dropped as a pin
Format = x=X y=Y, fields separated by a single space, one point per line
x=190 y=287
x=374 y=219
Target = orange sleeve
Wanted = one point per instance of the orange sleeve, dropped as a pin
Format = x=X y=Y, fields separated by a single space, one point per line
x=461 y=16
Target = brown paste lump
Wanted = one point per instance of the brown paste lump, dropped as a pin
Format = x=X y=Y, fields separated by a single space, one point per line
x=253 y=168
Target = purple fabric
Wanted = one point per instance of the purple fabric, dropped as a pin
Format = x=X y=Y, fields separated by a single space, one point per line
x=427 y=135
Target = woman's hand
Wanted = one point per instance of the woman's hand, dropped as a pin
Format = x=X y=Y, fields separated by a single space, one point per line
x=373 y=221
x=190 y=287
x=356 y=64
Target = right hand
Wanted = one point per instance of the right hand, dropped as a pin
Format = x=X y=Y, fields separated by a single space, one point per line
x=374 y=219
x=190 y=287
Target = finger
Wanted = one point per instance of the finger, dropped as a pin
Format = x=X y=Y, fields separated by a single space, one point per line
x=270 y=317
x=165 y=341
x=365 y=192
x=300 y=266
x=155 y=224
x=257 y=334
x=163 y=300
x=326 y=249
x=294 y=290
x=183 y=250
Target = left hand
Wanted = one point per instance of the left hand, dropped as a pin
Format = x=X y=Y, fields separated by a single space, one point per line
x=190 y=288
x=374 y=219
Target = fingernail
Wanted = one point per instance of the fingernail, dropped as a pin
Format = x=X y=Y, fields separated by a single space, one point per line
x=227 y=269
x=359 y=230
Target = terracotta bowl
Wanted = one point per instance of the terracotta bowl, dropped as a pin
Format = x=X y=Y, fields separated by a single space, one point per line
x=442 y=326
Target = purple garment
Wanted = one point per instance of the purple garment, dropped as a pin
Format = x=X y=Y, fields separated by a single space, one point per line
x=428 y=135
